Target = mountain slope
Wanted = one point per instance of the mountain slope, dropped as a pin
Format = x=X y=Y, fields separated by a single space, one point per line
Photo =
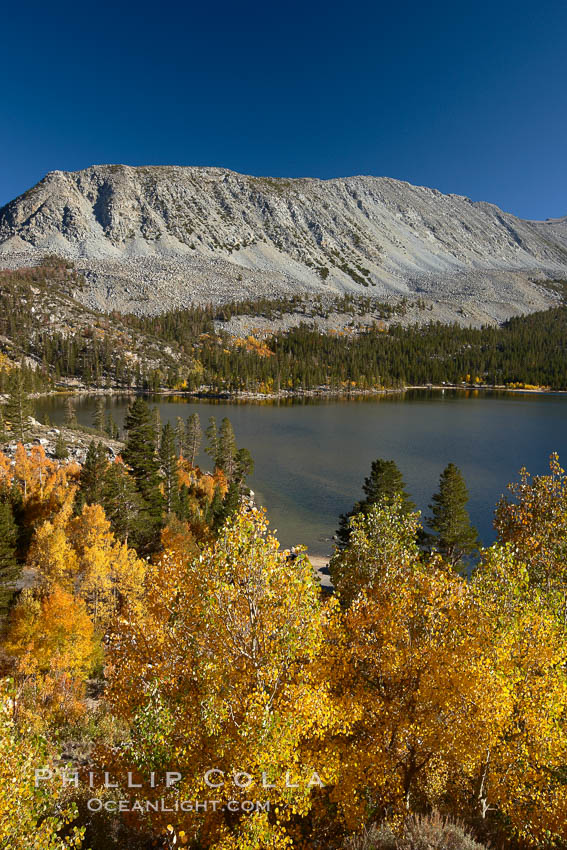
x=157 y=237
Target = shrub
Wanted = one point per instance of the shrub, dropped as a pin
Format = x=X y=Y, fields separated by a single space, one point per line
x=420 y=832
x=372 y=838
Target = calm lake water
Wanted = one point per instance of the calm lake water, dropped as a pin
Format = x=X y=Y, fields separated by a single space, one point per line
x=311 y=458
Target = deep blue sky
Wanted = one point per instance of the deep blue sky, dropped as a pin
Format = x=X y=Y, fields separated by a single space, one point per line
x=466 y=97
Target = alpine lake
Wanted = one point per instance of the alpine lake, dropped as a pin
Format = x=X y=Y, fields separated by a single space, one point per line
x=311 y=456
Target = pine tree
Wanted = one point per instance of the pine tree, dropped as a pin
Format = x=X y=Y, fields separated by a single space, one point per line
x=180 y=436
x=226 y=451
x=122 y=503
x=230 y=503
x=91 y=479
x=61 y=450
x=183 y=504
x=453 y=535
x=157 y=426
x=18 y=407
x=98 y=420
x=112 y=428
x=244 y=465
x=214 y=512
x=168 y=458
x=141 y=456
x=212 y=439
x=193 y=438
x=9 y=569
x=383 y=484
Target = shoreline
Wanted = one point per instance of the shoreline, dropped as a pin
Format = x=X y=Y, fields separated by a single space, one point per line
x=294 y=395
x=320 y=564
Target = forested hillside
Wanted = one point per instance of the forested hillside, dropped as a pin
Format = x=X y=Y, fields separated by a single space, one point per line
x=43 y=325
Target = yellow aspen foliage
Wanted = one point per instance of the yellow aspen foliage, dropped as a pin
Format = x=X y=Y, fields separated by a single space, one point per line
x=30 y=818
x=523 y=774
x=413 y=688
x=58 y=487
x=255 y=831
x=177 y=538
x=51 y=634
x=206 y=487
x=457 y=690
x=82 y=555
x=219 y=479
x=412 y=670
x=185 y=473
x=23 y=474
x=6 y=471
x=110 y=574
x=44 y=483
x=221 y=671
x=201 y=488
x=534 y=521
x=52 y=644
x=383 y=541
x=53 y=556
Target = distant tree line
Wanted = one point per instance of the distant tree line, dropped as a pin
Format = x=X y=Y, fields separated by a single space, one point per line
x=524 y=350
x=527 y=349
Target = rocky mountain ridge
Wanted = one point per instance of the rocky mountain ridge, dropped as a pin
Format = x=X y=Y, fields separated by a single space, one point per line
x=152 y=238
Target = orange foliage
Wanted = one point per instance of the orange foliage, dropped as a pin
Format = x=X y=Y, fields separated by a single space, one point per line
x=44 y=483
x=52 y=644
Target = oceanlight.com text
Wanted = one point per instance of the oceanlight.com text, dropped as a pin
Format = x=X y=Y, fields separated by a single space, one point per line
x=95 y=804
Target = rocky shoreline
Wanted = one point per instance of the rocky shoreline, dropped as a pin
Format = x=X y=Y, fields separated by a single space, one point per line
x=283 y=395
x=77 y=441
x=353 y=393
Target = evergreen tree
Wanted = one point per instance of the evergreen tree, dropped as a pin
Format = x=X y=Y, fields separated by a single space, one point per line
x=91 y=479
x=99 y=420
x=141 y=456
x=453 y=535
x=212 y=439
x=122 y=503
x=112 y=428
x=193 y=438
x=244 y=465
x=18 y=408
x=61 y=450
x=226 y=449
x=230 y=503
x=9 y=569
x=157 y=426
x=384 y=483
x=180 y=436
x=168 y=459
x=214 y=513
x=183 y=504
